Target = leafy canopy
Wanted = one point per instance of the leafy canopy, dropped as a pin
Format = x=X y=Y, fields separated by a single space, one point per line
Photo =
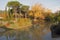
x=13 y=3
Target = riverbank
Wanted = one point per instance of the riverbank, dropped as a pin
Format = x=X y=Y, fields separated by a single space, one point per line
x=22 y=23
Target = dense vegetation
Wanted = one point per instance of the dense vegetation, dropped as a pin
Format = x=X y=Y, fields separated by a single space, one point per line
x=37 y=13
x=14 y=11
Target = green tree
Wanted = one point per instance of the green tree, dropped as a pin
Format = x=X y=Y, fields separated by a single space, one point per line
x=13 y=6
x=57 y=16
x=24 y=10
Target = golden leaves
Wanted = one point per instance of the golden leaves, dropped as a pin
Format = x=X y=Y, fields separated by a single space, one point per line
x=39 y=11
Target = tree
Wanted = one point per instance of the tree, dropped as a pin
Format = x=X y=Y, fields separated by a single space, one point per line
x=57 y=16
x=38 y=11
x=13 y=7
x=24 y=10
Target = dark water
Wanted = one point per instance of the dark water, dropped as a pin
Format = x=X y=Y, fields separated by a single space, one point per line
x=48 y=37
x=23 y=35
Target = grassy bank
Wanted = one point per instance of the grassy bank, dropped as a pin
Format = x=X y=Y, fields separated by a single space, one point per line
x=22 y=23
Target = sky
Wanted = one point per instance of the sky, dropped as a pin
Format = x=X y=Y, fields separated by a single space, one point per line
x=54 y=5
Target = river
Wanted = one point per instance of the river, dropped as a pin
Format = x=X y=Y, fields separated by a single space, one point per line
x=23 y=35
x=26 y=35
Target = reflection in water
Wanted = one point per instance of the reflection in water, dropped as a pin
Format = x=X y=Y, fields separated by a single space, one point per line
x=32 y=34
x=47 y=36
x=18 y=35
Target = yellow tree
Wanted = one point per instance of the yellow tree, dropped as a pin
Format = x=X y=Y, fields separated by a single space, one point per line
x=37 y=11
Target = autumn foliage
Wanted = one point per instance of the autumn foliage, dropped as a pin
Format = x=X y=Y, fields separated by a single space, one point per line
x=39 y=11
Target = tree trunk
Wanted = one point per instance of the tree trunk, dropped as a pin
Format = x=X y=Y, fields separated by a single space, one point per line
x=7 y=12
x=25 y=15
